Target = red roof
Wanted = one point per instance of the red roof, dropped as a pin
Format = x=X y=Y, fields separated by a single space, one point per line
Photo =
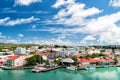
x=13 y=57
x=110 y=60
x=83 y=60
x=1 y=61
x=92 y=60
x=102 y=60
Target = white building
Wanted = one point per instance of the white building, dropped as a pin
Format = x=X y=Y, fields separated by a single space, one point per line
x=33 y=48
x=20 y=51
x=97 y=51
x=15 y=61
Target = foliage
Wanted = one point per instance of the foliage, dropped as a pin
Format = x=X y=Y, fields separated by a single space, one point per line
x=5 y=53
x=103 y=50
x=47 y=62
x=56 y=46
x=34 y=60
x=40 y=47
x=101 y=54
x=33 y=52
x=116 y=60
x=64 y=46
x=0 y=49
x=87 y=56
x=94 y=55
x=104 y=57
x=57 y=61
x=75 y=60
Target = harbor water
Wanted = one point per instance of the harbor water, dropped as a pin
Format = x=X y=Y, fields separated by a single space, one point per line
x=111 y=73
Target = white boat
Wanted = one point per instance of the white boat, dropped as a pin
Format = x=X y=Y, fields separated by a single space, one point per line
x=38 y=69
x=71 y=68
x=91 y=67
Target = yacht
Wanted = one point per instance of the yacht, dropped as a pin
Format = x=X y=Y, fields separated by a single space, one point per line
x=38 y=69
x=71 y=68
x=91 y=67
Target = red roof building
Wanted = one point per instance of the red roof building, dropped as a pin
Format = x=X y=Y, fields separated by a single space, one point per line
x=92 y=60
x=13 y=57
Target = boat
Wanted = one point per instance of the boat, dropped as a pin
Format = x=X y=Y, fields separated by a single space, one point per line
x=6 y=68
x=91 y=67
x=71 y=68
x=38 y=69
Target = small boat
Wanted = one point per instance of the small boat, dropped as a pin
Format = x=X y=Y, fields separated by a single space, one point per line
x=71 y=68
x=6 y=68
x=91 y=67
x=38 y=69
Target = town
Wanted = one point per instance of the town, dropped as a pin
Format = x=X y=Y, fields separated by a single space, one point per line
x=18 y=56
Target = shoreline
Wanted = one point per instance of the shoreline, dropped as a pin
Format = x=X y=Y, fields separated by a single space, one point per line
x=52 y=68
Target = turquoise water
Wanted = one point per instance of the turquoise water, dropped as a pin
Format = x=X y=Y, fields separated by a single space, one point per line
x=112 y=73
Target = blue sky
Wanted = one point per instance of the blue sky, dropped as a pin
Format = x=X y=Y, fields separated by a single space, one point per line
x=62 y=22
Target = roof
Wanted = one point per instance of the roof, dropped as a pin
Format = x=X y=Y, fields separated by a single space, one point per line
x=92 y=60
x=1 y=61
x=68 y=60
x=13 y=57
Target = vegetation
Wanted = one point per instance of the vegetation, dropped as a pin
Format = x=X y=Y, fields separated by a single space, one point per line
x=5 y=53
x=33 y=52
x=34 y=60
x=94 y=55
x=56 y=46
x=75 y=60
x=47 y=62
x=116 y=60
x=57 y=61
x=64 y=46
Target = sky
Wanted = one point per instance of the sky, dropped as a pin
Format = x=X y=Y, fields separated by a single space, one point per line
x=61 y=22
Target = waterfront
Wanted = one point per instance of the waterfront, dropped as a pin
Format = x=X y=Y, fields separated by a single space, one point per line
x=111 y=73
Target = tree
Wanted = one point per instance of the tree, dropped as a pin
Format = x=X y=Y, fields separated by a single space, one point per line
x=34 y=60
x=94 y=55
x=33 y=52
x=116 y=60
x=56 y=46
x=75 y=60
x=64 y=46
x=87 y=56
x=40 y=47
x=47 y=62
x=57 y=61
x=0 y=49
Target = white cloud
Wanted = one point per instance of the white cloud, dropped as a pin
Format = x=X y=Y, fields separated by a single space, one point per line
x=8 y=22
x=11 y=41
x=106 y=28
x=2 y=21
x=33 y=26
x=73 y=13
x=103 y=28
x=114 y=3
x=20 y=35
x=62 y=2
x=2 y=36
x=89 y=37
x=26 y=2
x=102 y=24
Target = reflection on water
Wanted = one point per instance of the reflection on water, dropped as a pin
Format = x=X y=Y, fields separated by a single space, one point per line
x=111 y=73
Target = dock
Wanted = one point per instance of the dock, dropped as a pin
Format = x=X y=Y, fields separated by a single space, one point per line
x=16 y=68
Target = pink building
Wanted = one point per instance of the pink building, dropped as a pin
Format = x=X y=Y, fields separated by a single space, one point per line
x=15 y=61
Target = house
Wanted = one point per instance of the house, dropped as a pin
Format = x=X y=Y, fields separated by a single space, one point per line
x=72 y=52
x=93 y=51
x=117 y=51
x=15 y=61
x=21 y=51
x=33 y=48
